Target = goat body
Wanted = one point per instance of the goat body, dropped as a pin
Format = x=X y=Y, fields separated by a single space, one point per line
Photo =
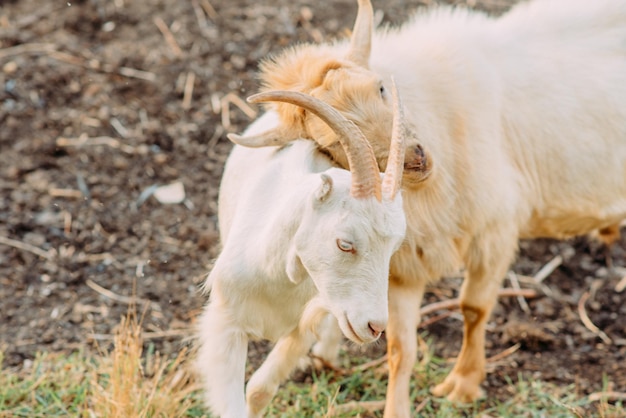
x=519 y=127
x=301 y=238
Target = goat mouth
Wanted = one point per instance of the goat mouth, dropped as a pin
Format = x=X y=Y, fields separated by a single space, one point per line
x=414 y=165
x=355 y=336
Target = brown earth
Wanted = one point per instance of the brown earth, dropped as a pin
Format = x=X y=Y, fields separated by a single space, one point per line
x=100 y=101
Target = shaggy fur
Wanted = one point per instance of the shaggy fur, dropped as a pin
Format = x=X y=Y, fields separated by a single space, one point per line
x=521 y=123
x=299 y=242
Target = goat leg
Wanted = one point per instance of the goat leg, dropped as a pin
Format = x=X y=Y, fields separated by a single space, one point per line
x=277 y=367
x=478 y=297
x=221 y=361
x=404 y=316
x=326 y=350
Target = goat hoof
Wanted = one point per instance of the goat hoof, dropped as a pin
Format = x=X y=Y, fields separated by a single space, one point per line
x=459 y=389
x=257 y=401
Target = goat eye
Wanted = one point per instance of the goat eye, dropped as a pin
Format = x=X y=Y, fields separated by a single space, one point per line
x=382 y=90
x=345 y=246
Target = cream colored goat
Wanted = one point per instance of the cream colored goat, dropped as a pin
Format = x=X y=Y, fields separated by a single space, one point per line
x=301 y=238
x=519 y=127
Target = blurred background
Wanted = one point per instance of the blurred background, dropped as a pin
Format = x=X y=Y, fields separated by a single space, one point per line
x=113 y=123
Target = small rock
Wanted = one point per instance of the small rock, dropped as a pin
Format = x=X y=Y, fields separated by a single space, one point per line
x=170 y=194
x=10 y=67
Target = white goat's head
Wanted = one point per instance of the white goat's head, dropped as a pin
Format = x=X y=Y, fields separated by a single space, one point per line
x=352 y=225
x=344 y=81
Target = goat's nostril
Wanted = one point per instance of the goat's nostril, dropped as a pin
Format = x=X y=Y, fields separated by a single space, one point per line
x=376 y=328
x=416 y=160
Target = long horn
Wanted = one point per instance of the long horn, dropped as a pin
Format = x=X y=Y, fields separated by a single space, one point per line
x=365 y=175
x=271 y=137
x=361 y=40
x=395 y=163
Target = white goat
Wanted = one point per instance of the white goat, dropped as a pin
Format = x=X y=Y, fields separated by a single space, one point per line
x=300 y=238
x=519 y=131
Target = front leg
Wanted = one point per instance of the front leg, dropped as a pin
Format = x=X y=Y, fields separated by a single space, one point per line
x=279 y=364
x=479 y=294
x=221 y=361
x=327 y=347
x=404 y=316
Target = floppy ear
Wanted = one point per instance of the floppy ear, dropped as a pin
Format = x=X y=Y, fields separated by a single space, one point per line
x=325 y=188
x=295 y=269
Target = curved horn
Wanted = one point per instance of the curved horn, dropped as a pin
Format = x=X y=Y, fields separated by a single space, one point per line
x=361 y=40
x=269 y=138
x=365 y=175
x=395 y=163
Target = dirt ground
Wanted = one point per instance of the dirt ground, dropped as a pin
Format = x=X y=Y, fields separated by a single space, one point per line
x=102 y=101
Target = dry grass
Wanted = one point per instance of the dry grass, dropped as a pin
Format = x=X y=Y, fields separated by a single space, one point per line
x=131 y=384
x=130 y=381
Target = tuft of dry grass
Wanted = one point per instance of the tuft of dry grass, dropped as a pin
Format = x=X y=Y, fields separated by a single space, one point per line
x=128 y=383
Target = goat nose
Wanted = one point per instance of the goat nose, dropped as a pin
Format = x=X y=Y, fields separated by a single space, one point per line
x=415 y=160
x=376 y=328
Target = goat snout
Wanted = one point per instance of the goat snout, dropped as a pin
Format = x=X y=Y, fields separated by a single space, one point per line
x=417 y=166
x=363 y=332
x=376 y=328
x=415 y=159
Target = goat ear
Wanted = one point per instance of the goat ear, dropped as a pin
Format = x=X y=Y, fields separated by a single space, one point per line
x=325 y=188
x=295 y=269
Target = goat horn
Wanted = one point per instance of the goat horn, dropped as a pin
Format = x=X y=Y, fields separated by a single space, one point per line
x=365 y=175
x=361 y=40
x=271 y=137
x=395 y=163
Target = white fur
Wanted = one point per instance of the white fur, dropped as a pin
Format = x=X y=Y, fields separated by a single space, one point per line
x=281 y=212
x=524 y=118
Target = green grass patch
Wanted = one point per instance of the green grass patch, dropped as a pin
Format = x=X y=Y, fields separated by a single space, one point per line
x=132 y=382
x=126 y=382
x=337 y=395
x=51 y=386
